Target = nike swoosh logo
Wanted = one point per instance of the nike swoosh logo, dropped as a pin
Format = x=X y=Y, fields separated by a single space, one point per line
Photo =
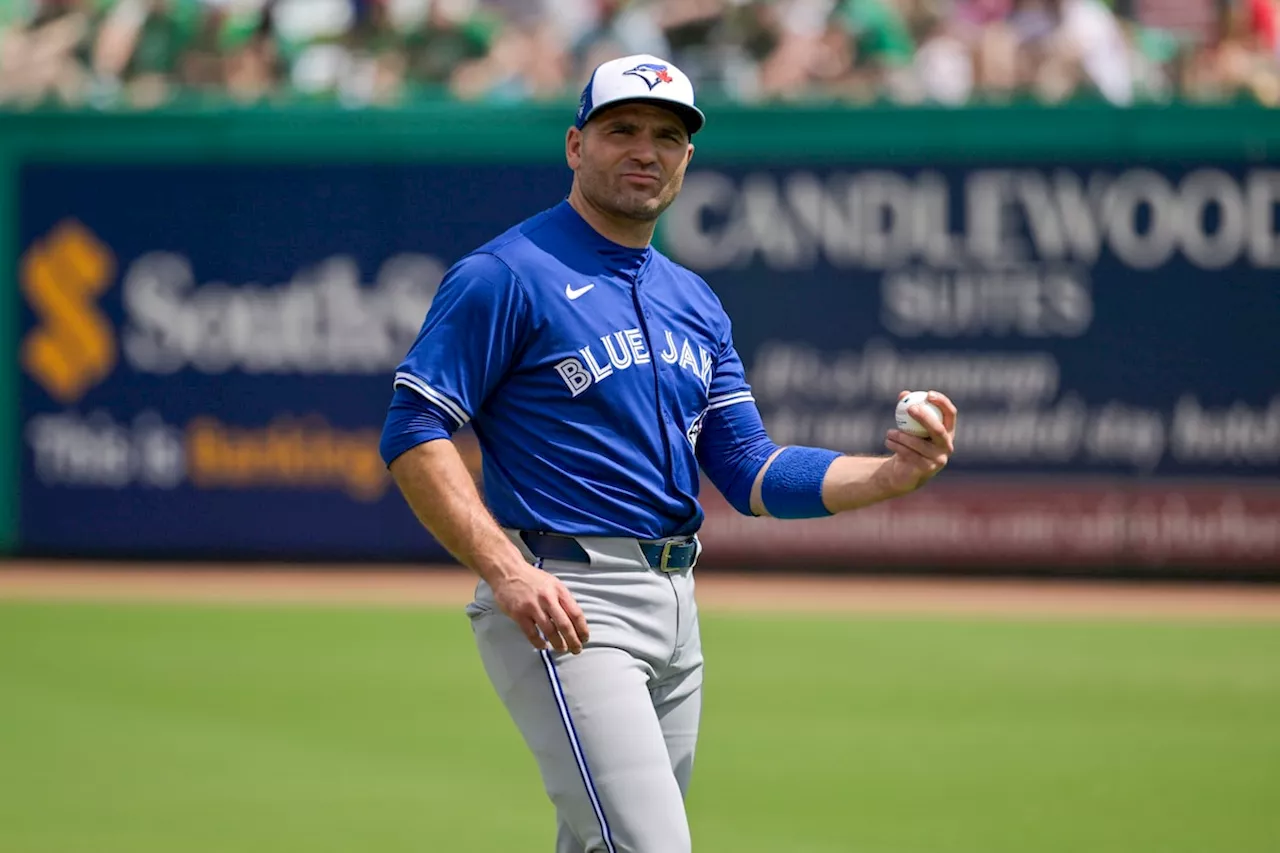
x=570 y=292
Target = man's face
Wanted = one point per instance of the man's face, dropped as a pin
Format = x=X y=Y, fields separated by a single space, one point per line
x=630 y=161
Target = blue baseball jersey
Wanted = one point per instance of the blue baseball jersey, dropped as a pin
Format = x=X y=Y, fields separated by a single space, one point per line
x=588 y=371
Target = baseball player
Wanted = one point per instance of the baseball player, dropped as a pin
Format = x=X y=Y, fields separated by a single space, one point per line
x=599 y=376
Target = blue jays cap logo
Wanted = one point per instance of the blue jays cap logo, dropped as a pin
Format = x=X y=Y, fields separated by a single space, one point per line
x=650 y=73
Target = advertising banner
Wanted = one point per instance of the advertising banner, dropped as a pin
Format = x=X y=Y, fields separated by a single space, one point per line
x=1107 y=332
x=206 y=351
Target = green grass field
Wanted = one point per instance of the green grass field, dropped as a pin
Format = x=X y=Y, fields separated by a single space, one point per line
x=203 y=729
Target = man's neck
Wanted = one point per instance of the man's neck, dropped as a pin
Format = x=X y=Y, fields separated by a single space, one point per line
x=624 y=232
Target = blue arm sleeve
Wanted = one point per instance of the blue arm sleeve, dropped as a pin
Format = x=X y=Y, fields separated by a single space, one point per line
x=411 y=421
x=733 y=446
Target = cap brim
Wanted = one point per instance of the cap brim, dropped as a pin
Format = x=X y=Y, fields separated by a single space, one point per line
x=691 y=116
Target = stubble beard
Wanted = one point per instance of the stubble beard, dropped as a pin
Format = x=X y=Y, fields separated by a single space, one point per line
x=616 y=201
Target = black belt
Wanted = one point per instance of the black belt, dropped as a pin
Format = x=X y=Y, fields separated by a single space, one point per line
x=667 y=555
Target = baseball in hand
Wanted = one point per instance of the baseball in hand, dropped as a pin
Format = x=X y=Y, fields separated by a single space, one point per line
x=908 y=424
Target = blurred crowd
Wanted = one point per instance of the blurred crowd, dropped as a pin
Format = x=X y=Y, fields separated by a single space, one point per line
x=147 y=53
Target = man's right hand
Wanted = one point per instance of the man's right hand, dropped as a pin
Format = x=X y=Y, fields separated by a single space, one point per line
x=538 y=602
x=443 y=495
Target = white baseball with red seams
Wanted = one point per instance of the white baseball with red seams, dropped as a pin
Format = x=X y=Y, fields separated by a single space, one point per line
x=906 y=422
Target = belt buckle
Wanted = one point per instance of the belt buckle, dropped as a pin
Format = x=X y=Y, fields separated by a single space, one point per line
x=666 y=554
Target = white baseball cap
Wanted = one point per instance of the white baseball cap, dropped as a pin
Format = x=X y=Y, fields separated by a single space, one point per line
x=640 y=78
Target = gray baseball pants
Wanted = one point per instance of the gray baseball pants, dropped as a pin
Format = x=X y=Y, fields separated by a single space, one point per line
x=614 y=728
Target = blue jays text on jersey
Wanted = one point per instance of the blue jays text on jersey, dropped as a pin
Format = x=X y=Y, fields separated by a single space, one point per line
x=596 y=378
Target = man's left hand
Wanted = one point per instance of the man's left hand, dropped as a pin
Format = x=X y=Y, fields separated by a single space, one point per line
x=916 y=460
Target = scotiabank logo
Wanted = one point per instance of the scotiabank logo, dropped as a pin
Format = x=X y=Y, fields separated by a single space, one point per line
x=323 y=319
x=72 y=347
x=319 y=319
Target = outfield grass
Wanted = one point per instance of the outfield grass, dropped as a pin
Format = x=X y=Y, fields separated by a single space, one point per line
x=166 y=729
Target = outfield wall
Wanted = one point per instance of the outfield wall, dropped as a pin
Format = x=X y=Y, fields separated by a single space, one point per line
x=207 y=307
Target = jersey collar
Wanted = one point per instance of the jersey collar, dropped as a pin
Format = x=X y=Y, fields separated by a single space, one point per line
x=625 y=261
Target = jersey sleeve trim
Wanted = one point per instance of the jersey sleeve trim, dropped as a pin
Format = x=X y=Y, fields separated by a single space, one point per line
x=730 y=399
x=450 y=406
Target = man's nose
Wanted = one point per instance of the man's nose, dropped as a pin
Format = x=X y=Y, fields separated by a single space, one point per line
x=643 y=150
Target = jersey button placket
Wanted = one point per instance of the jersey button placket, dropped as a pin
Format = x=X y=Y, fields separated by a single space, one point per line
x=665 y=416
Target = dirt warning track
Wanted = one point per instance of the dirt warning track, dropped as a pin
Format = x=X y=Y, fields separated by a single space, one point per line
x=782 y=593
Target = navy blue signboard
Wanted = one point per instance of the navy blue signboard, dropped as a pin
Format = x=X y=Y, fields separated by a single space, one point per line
x=1108 y=333
x=207 y=350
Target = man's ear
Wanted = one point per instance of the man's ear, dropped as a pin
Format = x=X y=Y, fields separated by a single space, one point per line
x=573 y=147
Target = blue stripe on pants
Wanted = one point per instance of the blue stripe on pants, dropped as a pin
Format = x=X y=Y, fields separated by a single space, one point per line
x=566 y=718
